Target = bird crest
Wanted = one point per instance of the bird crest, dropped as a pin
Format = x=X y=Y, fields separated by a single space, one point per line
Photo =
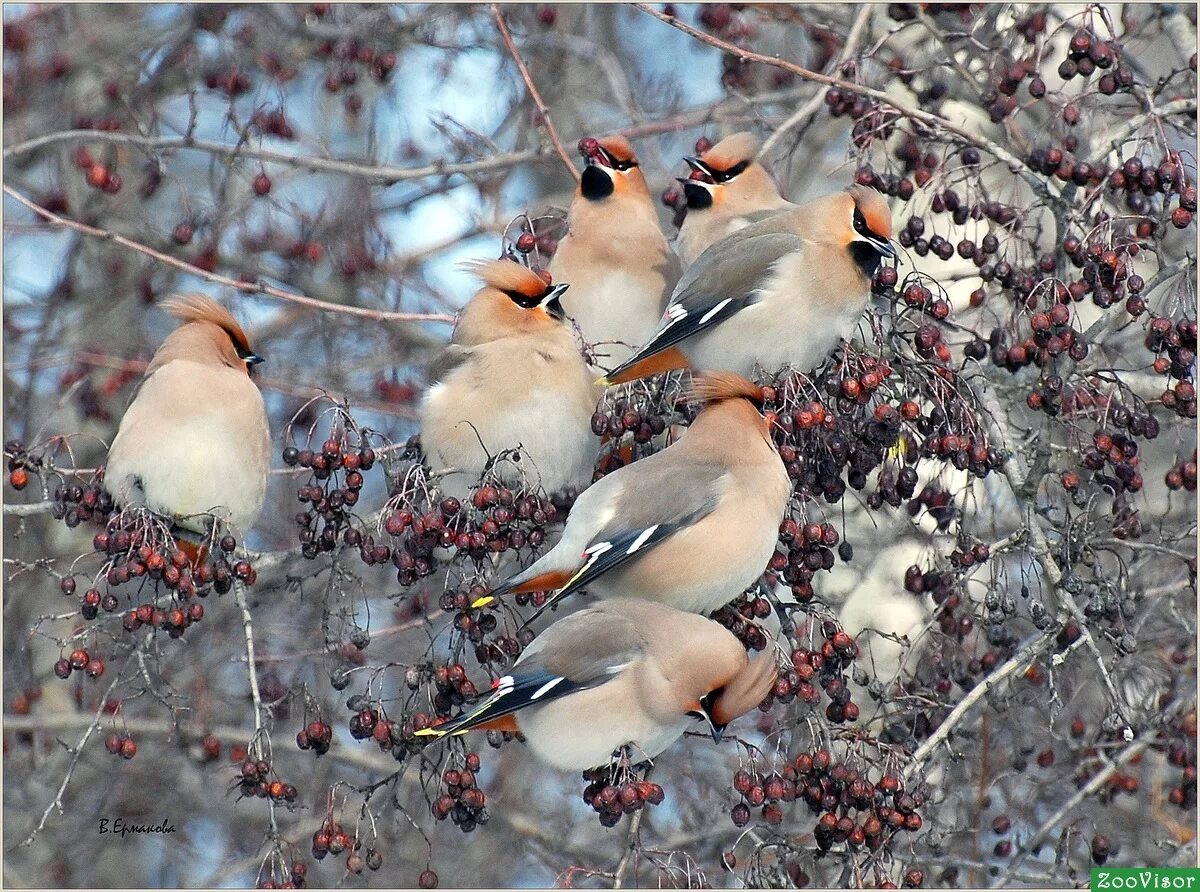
x=715 y=387
x=733 y=150
x=201 y=308
x=507 y=276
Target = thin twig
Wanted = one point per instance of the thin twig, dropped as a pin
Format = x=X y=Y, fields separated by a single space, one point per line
x=252 y=673
x=77 y=751
x=542 y=109
x=1097 y=781
x=1018 y=661
x=1011 y=161
x=241 y=286
x=803 y=116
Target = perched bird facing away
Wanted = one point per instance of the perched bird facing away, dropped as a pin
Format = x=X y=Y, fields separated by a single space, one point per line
x=728 y=190
x=782 y=291
x=195 y=440
x=523 y=382
x=623 y=672
x=691 y=526
x=615 y=255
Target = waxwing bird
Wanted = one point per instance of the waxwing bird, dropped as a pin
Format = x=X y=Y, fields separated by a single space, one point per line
x=728 y=189
x=522 y=383
x=781 y=291
x=691 y=526
x=622 y=672
x=195 y=440
x=614 y=254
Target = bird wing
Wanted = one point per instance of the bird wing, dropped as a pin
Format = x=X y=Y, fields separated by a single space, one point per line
x=584 y=650
x=724 y=280
x=453 y=356
x=640 y=523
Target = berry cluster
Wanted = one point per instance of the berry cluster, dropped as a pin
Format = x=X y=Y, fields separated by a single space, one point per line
x=828 y=665
x=628 y=419
x=619 y=789
x=852 y=810
x=79 y=660
x=121 y=744
x=20 y=463
x=1118 y=452
x=316 y=735
x=740 y=617
x=332 y=489
x=805 y=548
x=331 y=838
x=1183 y=474
x=255 y=779
x=282 y=872
x=75 y=504
x=462 y=801
x=496 y=519
x=1181 y=754
x=1178 y=343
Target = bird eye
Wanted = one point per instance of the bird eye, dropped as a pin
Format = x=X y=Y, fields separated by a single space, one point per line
x=724 y=176
x=860 y=225
x=624 y=165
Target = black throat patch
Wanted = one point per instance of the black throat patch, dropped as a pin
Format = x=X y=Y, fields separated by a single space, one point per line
x=595 y=183
x=865 y=256
x=697 y=196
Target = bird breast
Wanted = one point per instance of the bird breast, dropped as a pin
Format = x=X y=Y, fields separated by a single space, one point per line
x=194 y=440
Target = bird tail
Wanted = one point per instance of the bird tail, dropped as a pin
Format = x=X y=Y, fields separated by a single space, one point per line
x=542 y=581
x=639 y=366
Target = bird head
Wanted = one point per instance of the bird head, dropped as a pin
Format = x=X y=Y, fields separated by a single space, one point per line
x=611 y=168
x=514 y=299
x=868 y=231
x=208 y=334
x=736 y=694
x=727 y=172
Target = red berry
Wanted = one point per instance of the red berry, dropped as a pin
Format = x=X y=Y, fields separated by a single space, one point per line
x=262 y=184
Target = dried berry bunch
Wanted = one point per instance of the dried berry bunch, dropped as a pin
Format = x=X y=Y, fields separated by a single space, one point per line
x=460 y=798
x=282 y=869
x=496 y=520
x=631 y=420
x=336 y=480
x=257 y=777
x=532 y=241
x=620 y=788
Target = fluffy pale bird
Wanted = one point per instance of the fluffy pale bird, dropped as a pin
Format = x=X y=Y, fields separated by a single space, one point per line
x=780 y=292
x=195 y=442
x=623 y=672
x=520 y=381
x=615 y=255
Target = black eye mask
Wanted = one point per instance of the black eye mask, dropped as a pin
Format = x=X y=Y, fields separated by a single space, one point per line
x=724 y=176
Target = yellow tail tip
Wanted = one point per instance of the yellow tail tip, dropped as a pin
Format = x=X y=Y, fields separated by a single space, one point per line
x=603 y=381
x=429 y=732
x=482 y=602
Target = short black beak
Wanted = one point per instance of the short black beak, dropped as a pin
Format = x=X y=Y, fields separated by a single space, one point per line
x=252 y=359
x=883 y=246
x=605 y=160
x=552 y=304
x=699 y=166
x=718 y=731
